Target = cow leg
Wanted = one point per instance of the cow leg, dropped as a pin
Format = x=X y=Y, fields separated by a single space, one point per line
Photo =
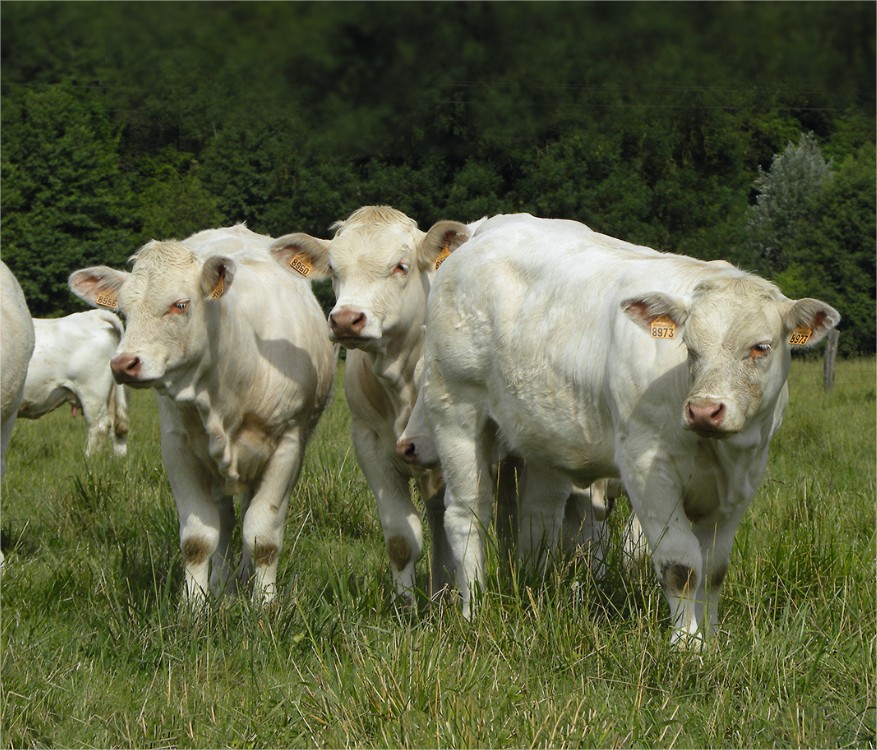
x=542 y=498
x=192 y=486
x=265 y=517
x=676 y=554
x=98 y=421
x=400 y=520
x=459 y=431
x=118 y=407
x=716 y=542
x=585 y=525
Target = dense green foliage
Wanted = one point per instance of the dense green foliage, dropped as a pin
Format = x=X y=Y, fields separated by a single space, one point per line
x=647 y=121
x=95 y=650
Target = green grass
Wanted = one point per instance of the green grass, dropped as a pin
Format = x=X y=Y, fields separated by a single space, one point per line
x=96 y=651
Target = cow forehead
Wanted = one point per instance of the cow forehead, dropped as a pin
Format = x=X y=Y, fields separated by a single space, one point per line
x=160 y=268
x=732 y=308
x=373 y=245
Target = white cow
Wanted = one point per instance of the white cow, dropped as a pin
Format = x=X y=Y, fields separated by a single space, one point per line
x=238 y=355
x=600 y=360
x=71 y=364
x=381 y=267
x=16 y=348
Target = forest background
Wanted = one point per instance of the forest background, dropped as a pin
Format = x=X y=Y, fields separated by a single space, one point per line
x=735 y=130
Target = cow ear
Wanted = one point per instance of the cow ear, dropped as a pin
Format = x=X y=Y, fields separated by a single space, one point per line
x=98 y=286
x=808 y=320
x=658 y=313
x=440 y=241
x=216 y=277
x=302 y=254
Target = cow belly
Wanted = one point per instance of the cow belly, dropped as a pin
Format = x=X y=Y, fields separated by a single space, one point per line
x=552 y=429
x=37 y=403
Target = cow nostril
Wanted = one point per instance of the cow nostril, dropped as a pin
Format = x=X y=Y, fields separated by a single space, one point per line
x=718 y=414
x=409 y=449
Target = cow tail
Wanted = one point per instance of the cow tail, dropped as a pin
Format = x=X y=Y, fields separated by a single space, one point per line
x=113 y=320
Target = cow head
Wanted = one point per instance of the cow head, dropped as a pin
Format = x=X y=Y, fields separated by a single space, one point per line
x=166 y=298
x=738 y=330
x=380 y=264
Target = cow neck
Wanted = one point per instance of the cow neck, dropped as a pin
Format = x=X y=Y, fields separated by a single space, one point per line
x=394 y=367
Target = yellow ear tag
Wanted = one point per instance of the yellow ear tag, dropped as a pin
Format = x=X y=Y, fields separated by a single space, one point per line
x=442 y=256
x=219 y=289
x=800 y=336
x=109 y=299
x=301 y=263
x=662 y=327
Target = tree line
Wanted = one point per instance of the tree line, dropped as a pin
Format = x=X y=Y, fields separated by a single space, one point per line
x=736 y=130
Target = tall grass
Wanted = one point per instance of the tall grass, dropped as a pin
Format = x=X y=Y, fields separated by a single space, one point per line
x=97 y=652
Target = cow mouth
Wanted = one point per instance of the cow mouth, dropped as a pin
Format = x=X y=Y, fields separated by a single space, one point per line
x=134 y=382
x=715 y=433
x=354 y=342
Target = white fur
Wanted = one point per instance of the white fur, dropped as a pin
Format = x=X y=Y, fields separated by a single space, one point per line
x=537 y=335
x=241 y=380
x=381 y=266
x=71 y=364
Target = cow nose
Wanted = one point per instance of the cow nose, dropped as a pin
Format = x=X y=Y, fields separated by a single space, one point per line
x=705 y=414
x=347 y=321
x=407 y=450
x=125 y=367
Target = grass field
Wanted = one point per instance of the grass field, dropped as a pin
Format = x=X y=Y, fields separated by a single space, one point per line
x=96 y=651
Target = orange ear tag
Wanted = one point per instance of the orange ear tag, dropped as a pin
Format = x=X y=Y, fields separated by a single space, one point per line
x=800 y=336
x=301 y=263
x=219 y=289
x=109 y=299
x=442 y=256
x=662 y=327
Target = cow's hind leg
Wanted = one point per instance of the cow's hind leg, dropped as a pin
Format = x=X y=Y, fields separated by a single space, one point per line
x=464 y=447
x=98 y=420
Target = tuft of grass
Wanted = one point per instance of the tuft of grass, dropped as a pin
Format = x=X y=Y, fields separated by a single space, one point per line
x=96 y=651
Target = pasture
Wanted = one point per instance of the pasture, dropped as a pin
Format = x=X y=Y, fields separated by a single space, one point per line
x=96 y=651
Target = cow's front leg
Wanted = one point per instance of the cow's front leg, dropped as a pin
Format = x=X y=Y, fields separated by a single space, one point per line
x=400 y=520
x=676 y=554
x=199 y=516
x=265 y=516
x=716 y=542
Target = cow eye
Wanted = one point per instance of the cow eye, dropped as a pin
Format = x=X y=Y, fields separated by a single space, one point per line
x=401 y=268
x=179 y=307
x=760 y=350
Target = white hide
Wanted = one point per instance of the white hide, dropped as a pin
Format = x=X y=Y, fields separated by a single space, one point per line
x=239 y=357
x=381 y=266
x=16 y=348
x=71 y=364
x=540 y=331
